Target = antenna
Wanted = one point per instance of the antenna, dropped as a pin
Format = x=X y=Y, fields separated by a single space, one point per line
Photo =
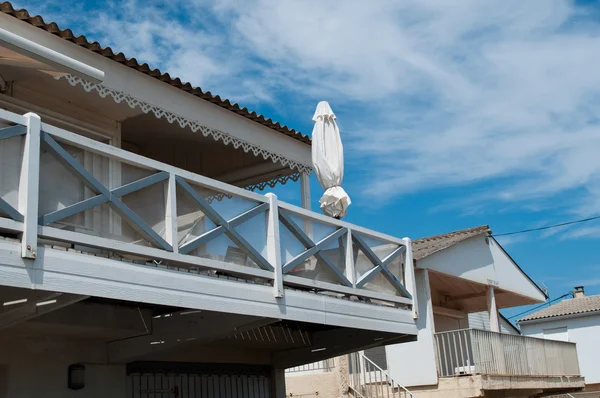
x=545 y=289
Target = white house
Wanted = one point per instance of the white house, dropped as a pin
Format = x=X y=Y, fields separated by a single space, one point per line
x=464 y=347
x=137 y=257
x=576 y=320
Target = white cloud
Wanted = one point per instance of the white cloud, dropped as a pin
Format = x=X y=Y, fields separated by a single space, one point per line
x=587 y=232
x=450 y=92
x=429 y=93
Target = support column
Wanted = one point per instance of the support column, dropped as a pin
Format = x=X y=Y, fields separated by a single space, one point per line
x=305 y=193
x=29 y=186
x=429 y=305
x=278 y=383
x=171 y=229
x=409 y=282
x=305 y=190
x=342 y=370
x=492 y=310
x=274 y=244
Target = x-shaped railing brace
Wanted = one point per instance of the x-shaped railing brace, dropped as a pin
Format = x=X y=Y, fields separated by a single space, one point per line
x=104 y=195
x=312 y=248
x=5 y=133
x=224 y=227
x=380 y=265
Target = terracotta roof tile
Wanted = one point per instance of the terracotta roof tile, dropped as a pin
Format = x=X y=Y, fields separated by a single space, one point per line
x=427 y=246
x=579 y=305
x=67 y=34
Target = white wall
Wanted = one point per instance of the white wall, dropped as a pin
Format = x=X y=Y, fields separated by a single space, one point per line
x=413 y=364
x=445 y=323
x=481 y=262
x=584 y=331
x=481 y=320
x=38 y=367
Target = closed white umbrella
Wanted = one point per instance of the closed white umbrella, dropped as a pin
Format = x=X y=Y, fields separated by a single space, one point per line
x=328 y=161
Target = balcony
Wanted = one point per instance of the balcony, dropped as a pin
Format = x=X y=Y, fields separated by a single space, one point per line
x=473 y=351
x=121 y=214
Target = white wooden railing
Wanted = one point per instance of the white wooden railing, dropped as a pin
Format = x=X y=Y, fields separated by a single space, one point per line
x=60 y=186
x=473 y=351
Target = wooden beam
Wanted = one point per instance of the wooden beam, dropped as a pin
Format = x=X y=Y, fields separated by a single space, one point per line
x=98 y=188
x=99 y=199
x=449 y=312
x=35 y=306
x=12 y=131
x=311 y=251
x=252 y=173
x=467 y=296
x=309 y=244
x=472 y=295
x=221 y=229
x=379 y=266
x=180 y=329
x=47 y=56
x=101 y=318
x=10 y=211
x=231 y=233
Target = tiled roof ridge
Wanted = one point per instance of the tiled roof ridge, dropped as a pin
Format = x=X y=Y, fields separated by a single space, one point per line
x=67 y=34
x=427 y=246
x=572 y=306
x=467 y=231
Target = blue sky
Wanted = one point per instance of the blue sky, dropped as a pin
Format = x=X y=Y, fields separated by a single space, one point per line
x=453 y=114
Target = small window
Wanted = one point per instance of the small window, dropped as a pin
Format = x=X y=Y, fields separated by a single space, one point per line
x=559 y=334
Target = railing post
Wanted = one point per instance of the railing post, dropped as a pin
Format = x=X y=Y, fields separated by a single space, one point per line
x=306 y=201
x=274 y=244
x=411 y=285
x=349 y=257
x=171 y=214
x=29 y=186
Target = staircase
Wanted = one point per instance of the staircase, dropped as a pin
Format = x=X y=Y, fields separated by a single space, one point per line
x=367 y=380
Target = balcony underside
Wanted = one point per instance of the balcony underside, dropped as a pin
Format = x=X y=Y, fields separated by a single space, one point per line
x=74 y=273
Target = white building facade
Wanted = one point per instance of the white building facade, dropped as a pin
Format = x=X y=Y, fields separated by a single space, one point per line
x=575 y=320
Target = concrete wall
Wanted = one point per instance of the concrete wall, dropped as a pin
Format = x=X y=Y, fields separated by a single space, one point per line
x=321 y=385
x=413 y=363
x=582 y=330
x=38 y=367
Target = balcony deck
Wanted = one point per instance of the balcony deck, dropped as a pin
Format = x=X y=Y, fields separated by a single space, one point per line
x=83 y=217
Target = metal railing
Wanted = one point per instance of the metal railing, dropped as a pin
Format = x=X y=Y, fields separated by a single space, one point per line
x=64 y=187
x=324 y=366
x=473 y=351
x=367 y=380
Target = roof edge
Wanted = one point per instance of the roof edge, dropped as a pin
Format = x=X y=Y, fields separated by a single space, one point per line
x=558 y=317
x=519 y=267
x=107 y=52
